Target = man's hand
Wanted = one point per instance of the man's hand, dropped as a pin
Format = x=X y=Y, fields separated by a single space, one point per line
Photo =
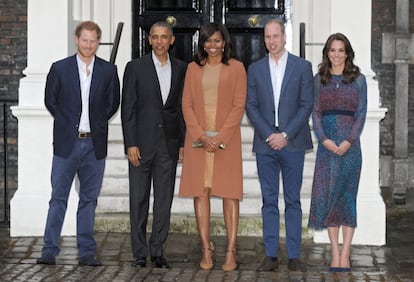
x=276 y=141
x=134 y=155
x=181 y=155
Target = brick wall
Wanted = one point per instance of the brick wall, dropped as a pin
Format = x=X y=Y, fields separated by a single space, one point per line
x=13 y=60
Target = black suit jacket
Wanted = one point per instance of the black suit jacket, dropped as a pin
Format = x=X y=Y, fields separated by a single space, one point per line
x=142 y=109
x=64 y=102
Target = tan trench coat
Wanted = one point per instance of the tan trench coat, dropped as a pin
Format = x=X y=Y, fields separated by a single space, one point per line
x=227 y=173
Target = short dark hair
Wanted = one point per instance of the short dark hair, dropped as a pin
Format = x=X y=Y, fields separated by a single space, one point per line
x=206 y=32
x=88 y=25
x=276 y=21
x=162 y=24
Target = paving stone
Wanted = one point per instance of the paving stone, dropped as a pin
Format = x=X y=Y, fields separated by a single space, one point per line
x=391 y=262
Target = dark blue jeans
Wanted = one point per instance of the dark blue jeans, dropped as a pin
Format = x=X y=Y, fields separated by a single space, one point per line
x=81 y=161
x=290 y=164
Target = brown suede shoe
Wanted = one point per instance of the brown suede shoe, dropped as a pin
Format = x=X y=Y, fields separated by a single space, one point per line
x=268 y=264
x=296 y=265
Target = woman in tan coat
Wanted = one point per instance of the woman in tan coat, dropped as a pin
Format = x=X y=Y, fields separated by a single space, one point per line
x=213 y=104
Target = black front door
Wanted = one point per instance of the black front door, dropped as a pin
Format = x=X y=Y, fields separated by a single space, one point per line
x=244 y=20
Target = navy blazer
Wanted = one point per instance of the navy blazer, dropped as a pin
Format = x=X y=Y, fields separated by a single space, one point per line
x=64 y=102
x=295 y=104
x=143 y=111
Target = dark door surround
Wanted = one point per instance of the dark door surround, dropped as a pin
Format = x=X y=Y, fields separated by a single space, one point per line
x=244 y=20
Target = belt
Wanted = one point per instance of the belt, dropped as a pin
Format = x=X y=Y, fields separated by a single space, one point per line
x=82 y=135
x=338 y=113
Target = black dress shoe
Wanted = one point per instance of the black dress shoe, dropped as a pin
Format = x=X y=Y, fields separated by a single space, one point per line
x=296 y=265
x=268 y=264
x=160 y=262
x=140 y=262
x=89 y=260
x=46 y=259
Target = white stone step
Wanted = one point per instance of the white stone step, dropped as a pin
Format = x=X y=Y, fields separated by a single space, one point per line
x=250 y=205
x=113 y=202
x=117 y=163
x=116 y=177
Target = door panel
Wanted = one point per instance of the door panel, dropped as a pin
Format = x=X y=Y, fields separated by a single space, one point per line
x=184 y=15
x=244 y=20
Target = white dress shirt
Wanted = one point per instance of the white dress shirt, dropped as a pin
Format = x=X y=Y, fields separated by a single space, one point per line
x=164 y=76
x=85 y=78
x=277 y=72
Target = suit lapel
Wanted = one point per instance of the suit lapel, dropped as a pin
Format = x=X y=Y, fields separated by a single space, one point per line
x=267 y=77
x=150 y=62
x=96 y=74
x=288 y=72
x=174 y=77
x=74 y=75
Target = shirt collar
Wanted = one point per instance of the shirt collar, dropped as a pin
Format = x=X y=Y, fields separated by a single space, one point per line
x=282 y=59
x=157 y=62
x=83 y=64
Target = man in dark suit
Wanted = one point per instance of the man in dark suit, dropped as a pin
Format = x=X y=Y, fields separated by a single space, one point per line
x=82 y=94
x=279 y=103
x=153 y=129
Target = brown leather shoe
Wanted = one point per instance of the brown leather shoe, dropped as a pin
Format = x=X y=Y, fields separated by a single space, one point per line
x=296 y=265
x=268 y=264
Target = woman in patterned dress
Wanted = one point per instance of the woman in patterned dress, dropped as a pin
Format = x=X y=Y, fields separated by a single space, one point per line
x=213 y=103
x=340 y=105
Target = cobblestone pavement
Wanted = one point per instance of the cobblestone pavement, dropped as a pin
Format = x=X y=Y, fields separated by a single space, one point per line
x=392 y=262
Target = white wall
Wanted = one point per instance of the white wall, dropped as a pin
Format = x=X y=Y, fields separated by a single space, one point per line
x=50 y=38
x=322 y=18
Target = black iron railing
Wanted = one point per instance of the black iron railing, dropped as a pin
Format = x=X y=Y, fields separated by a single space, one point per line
x=115 y=44
x=302 y=41
x=6 y=108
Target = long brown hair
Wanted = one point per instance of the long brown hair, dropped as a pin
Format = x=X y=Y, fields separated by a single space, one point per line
x=350 y=72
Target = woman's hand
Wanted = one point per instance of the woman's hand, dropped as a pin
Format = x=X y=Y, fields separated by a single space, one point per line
x=211 y=143
x=330 y=145
x=343 y=147
x=337 y=150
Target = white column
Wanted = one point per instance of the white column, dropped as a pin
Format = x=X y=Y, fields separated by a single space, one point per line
x=371 y=212
x=51 y=38
x=47 y=42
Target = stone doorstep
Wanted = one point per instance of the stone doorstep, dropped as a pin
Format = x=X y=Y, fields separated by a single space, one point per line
x=250 y=225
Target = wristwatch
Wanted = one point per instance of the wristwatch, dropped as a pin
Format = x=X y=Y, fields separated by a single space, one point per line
x=285 y=135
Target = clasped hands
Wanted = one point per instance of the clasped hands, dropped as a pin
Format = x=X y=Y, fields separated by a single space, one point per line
x=210 y=143
x=276 y=141
x=337 y=150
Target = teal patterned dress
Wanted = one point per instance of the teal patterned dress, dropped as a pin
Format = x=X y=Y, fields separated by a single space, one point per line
x=339 y=114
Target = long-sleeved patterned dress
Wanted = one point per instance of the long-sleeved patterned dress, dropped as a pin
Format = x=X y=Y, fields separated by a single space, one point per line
x=339 y=114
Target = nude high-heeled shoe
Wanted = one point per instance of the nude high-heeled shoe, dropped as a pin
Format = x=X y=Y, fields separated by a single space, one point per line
x=209 y=251
x=230 y=266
